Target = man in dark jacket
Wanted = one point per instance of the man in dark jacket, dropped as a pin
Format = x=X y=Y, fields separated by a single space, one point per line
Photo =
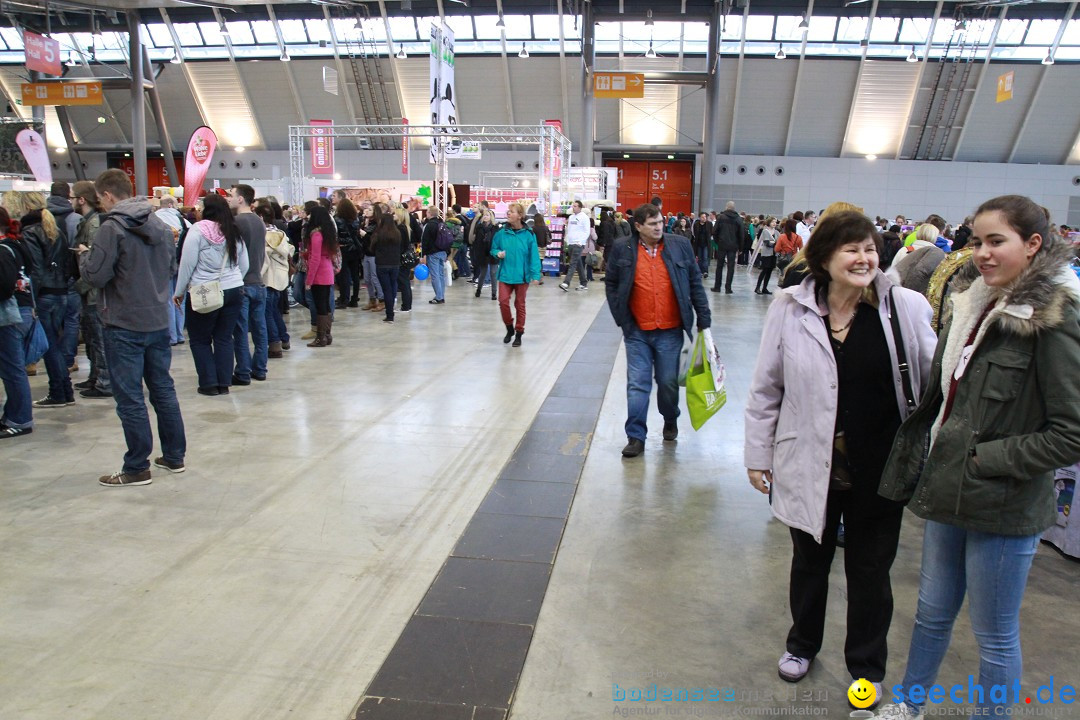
x=728 y=233
x=702 y=232
x=434 y=258
x=132 y=262
x=654 y=291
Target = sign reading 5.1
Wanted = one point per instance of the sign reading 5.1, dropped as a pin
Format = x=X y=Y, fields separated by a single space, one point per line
x=42 y=53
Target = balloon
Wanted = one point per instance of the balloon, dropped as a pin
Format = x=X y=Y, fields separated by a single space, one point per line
x=421 y=272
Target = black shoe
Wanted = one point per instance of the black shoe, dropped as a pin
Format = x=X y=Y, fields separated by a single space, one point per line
x=95 y=393
x=716 y=289
x=634 y=447
x=10 y=432
x=222 y=389
x=49 y=402
x=671 y=430
x=84 y=385
x=285 y=345
x=517 y=339
x=766 y=292
x=237 y=380
x=728 y=291
x=436 y=302
x=509 y=334
x=209 y=391
x=354 y=303
x=260 y=378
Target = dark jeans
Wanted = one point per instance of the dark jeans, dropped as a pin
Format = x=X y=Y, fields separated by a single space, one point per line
x=388 y=275
x=651 y=354
x=211 y=338
x=348 y=280
x=275 y=323
x=723 y=256
x=702 y=254
x=94 y=335
x=404 y=279
x=18 y=407
x=487 y=266
x=51 y=310
x=461 y=258
x=767 y=265
x=252 y=318
x=134 y=358
x=72 y=313
x=872 y=531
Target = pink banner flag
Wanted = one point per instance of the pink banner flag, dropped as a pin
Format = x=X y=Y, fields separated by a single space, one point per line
x=322 y=149
x=405 y=146
x=37 y=155
x=199 y=153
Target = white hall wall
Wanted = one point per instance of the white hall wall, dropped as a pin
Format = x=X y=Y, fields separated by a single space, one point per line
x=882 y=187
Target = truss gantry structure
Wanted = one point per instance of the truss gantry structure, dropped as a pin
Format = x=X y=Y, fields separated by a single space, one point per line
x=553 y=148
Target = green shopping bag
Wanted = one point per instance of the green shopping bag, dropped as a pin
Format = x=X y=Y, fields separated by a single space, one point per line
x=705 y=392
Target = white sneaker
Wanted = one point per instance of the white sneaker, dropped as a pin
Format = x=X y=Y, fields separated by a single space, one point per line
x=793 y=668
x=564 y=287
x=900 y=711
x=582 y=287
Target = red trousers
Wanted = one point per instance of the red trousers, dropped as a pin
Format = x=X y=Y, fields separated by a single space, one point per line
x=519 y=304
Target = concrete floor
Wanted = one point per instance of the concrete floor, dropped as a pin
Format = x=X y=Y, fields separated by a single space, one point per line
x=272 y=578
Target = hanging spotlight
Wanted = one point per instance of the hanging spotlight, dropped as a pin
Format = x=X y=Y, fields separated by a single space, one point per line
x=648 y=18
x=401 y=55
x=176 y=59
x=524 y=53
x=500 y=24
x=650 y=53
x=71 y=61
x=804 y=24
x=780 y=54
x=1049 y=59
x=224 y=30
x=285 y=55
x=912 y=57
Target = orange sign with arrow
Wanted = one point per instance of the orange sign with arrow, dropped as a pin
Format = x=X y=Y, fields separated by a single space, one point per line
x=618 y=85
x=61 y=93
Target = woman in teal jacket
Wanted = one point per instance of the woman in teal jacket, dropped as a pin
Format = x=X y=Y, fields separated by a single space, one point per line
x=519 y=264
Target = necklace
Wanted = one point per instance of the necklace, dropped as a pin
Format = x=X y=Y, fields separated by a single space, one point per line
x=850 y=320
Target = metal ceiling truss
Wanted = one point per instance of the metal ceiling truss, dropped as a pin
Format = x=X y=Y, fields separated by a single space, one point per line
x=979 y=83
x=554 y=150
x=922 y=71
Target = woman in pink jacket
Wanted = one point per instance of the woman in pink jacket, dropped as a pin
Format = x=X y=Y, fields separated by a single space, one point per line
x=827 y=398
x=320 y=239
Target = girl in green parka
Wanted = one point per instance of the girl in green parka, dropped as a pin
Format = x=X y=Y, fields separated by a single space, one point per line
x=519 y=264
x=976 y=459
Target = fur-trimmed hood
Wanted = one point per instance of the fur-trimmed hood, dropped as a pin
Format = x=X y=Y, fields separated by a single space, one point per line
x=1039 y=299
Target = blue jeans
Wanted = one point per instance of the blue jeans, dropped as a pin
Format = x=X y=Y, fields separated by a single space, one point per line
x=995 y=569
x=176 y=315
x=651 y=354
x=464 y=269
x=18 y=407
x=371 y=279
x=72 y=314
x=275 y=323
x=252 y=317
x=298 y=288
x=702 y=254
x=135 y=357
x=211 y=340
x=51 y=310
x=388 y=276
x=436 y=264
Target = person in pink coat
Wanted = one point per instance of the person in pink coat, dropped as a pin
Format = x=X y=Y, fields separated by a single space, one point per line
x=320 y=239
x=826 y=400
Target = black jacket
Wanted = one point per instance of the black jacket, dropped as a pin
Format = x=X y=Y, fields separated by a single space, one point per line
x=387 y=251
x=702 y=232
x=427 y=237
x=682 y=269
x=51 y=262
x=729 y=231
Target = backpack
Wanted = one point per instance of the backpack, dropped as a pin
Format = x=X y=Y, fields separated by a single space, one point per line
x=444 y=238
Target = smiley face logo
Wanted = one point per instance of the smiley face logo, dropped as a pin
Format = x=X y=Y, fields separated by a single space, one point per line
x=862 y=693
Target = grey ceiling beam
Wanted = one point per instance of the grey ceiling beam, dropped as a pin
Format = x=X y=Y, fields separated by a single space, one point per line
x=240 y=79
x=183 y=64
x=982 y=77
x=798 y=81
x=1046 y=69
x=341 y=71
x=859 y=76
x=290 y=77
x=505 y=68
x=922 y=72
x=562 y=74
x=738 y=79
x=393 y=60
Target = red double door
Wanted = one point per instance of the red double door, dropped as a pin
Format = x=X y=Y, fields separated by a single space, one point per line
x=642 y=180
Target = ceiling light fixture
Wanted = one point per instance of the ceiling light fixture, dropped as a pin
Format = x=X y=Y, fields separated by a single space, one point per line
x=285 y=55
x=101 y=119
x=524 y=53
x=500 y=24
x=650 y=53
x=1049 y=59
x=648 y=18
x=961 y=25
x=401 y=54
x=912 y=57
x=223 y=28
x=804 y=24
x=176 y=59
x=239 y=149
x=71 y=61
x=780 y=54
x=871 y=157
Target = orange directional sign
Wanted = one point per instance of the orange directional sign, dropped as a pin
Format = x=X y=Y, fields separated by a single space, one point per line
x=61 y=93
x=618 y=85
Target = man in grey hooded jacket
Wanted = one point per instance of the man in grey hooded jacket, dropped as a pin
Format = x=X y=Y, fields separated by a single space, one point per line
x=132 y=261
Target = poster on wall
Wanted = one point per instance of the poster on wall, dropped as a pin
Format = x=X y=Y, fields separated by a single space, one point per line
x=197 y=162
x=33 y=149
x=322 y=148
x=444 y=110
x=12 y=160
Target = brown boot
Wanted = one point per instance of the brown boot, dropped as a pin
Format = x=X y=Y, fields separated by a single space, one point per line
x=370 y=304
x=329 y=323
x=321 y=332
x=379 y=306
x=274 y=350
x=311 y=333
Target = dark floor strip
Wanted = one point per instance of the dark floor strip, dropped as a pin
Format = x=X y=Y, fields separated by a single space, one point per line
x=461 y=654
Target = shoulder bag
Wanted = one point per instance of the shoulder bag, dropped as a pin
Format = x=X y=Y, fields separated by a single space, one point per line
x=208 y=296
x=901 y=354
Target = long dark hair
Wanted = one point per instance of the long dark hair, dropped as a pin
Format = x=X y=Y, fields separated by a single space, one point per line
x=319 y=219
x=216 y=210
x=346 y=210
x=387 y=231
x=1023 y=215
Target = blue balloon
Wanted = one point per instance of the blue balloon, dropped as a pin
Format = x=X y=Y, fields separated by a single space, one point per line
x=421 y=272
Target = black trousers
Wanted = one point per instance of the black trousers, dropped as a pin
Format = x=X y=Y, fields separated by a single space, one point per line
x=872 y=531
x=723 y=256
x=321 y=295
x=767 y=265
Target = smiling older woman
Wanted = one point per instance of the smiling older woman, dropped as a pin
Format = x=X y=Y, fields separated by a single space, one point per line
x=827 y=397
